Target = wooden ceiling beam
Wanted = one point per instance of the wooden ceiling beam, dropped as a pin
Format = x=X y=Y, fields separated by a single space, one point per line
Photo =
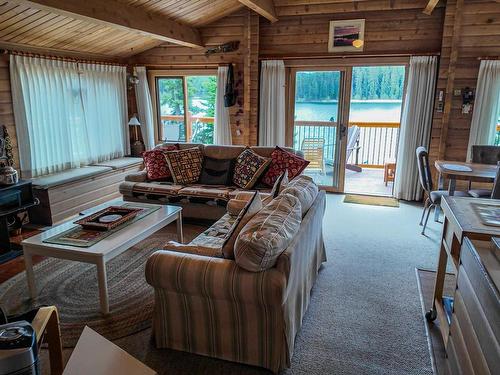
x=115 y=14
x=430 y=7
x=263 y=7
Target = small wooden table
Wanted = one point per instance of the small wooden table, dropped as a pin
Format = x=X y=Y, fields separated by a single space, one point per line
x=477 y=173
x=104 y=250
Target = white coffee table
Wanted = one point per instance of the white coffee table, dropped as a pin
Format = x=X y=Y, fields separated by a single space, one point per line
x=104 y=250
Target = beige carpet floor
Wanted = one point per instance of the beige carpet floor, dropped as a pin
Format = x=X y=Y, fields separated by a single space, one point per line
x=365 y=315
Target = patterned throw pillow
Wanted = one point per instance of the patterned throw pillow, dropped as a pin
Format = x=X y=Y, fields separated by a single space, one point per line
x=281 y=161
x=249 y=166
x=185 y=165
x=156 y=164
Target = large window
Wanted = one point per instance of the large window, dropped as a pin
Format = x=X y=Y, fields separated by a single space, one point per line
x=67 y=114
x=186 y=107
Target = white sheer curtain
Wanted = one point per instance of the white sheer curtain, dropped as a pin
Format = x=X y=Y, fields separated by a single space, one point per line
x=222 y=131
x=272 y=103
x=416 y=121
x=145 y=107
x=67 y=114
x=487 y=106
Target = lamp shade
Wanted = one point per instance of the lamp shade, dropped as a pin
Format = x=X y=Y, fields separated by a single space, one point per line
x=134 y=121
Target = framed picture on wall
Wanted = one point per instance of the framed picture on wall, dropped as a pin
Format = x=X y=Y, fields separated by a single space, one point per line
x=346 y=36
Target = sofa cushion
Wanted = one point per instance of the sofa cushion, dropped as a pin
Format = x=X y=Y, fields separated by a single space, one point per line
x=223 y=151
x=156 y=164
x=262 y=240
x=185 y=165
x=166 y=189
x=207 y=191
x=218 y=234
x=280 y=184
x=304 y=188
x=283 y=160
x=71 y=175
x=249 y=167
x=253 y=206
x=203 y=249
x=119 y=163
x=234 y=206
x=216 y=171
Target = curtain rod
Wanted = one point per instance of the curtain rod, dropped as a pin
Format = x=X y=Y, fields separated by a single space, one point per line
x=488 y=58
x=183 y=66
x=5 y=51
x=347 y=56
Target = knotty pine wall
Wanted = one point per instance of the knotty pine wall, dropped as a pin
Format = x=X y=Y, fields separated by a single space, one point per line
x=478 y=36
x=242 y=26
x=386 y=32
x=6 y=110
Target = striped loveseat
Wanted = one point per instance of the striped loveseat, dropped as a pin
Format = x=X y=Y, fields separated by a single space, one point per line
x=213 y=307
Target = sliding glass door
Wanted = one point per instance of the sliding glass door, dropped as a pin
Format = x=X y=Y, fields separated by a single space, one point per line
x=317 y=124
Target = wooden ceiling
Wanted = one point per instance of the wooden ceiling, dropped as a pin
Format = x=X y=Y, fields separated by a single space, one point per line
x=25 y=24
x=121 y=28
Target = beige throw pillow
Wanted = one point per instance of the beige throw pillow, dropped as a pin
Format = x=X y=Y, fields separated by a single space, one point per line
x=253 y=206
x=268 y=234
x=304 y=188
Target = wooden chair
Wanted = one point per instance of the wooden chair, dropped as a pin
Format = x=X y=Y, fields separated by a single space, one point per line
x=484 y=155
x=353 y=145
x=313 y=149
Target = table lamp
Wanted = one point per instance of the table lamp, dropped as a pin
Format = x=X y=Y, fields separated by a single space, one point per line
x=137 y=148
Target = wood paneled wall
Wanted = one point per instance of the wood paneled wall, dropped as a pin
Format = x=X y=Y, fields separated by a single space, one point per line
x=386 y=32
x=302 y=31
x=477 y=23
x=242 y=26
x=6 y=110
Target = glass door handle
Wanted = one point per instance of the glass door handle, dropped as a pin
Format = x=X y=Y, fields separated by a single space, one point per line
x=343 y=130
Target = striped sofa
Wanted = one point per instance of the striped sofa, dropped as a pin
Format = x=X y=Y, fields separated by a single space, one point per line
x=211 y=306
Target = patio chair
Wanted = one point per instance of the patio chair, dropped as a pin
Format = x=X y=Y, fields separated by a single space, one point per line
x=433 y=196
x=353 y=145
x=313 y=149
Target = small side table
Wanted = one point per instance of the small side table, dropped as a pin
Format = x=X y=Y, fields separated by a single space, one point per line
x=389 y=171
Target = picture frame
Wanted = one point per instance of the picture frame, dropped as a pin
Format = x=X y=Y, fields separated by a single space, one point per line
x=346 y=36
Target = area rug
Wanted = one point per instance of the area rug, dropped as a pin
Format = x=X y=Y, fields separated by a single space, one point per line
x=371 y=200
x=72 y=287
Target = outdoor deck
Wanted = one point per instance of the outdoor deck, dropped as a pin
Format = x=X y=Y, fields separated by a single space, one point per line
x=369 y=181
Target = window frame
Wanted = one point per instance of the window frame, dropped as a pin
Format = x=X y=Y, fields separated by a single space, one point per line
x=154 y=75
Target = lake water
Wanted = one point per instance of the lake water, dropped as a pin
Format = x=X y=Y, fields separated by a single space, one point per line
x=368 y=111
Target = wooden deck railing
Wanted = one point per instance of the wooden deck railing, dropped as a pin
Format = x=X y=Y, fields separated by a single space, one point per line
x=190 y=128
x=377 y=140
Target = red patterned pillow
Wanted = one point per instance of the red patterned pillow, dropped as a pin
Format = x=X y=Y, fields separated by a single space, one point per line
x=156 y=164
x=281 y=160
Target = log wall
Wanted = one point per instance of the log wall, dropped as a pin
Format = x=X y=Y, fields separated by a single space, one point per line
x=477 y=25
